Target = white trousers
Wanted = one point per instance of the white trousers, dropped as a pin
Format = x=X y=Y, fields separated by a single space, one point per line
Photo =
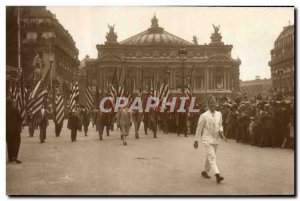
x=210 y=159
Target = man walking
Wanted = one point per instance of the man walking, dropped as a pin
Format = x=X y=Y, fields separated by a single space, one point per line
x=209 y=130
x=124 y=122
x=153 y=119
x=137 y=119
x=73 y=124
x=43 y=123
x=85 y=121
x=13 y=131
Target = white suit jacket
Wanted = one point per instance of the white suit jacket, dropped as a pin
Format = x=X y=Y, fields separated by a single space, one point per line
x=209 y=127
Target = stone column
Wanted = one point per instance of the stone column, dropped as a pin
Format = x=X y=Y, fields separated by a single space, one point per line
x=228 y=80
x=212 y=80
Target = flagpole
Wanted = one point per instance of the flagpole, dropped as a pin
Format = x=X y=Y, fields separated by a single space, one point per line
x=19 y=46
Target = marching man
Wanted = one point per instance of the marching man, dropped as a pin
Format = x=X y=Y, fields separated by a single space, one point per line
x=209 y=130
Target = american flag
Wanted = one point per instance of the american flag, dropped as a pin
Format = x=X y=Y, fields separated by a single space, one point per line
x=164 y=90
x=59 y=108
x=35 y=104
x=188 y=91
x=38 y=94
x=88 y=98
x=74 y=96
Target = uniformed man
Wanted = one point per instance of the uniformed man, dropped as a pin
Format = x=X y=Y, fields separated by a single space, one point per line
x=146 y=122
x=73 y=123
x=182 y=123
x=99 y=123
x=85 y=121
x=137 y=119
x=31 y=125
x=13 y=131
x=43 y=123
x=124 y=122
x=153 y=120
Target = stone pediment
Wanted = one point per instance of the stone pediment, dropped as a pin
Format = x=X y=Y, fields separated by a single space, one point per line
x=220 y=58
x=110 y=57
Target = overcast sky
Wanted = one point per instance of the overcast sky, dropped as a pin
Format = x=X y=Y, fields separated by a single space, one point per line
x=251 y=31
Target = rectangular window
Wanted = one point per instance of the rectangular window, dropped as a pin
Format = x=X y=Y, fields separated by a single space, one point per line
x=199 y=83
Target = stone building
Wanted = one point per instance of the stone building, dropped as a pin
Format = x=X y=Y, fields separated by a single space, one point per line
x=257 y=86
x=282 y=62
x=153 y=54
x=43 y=41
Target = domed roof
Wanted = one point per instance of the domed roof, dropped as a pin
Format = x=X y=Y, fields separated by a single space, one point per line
x=155 y=35
x=288 y=30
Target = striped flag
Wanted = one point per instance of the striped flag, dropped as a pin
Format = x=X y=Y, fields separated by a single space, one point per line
x=39 y=93
x=35 y=104
x=88 y=98
x=188 y=91
x=74 y=96
x=59 y=108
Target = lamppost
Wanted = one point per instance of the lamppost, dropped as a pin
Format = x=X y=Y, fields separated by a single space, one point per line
x=182 y=53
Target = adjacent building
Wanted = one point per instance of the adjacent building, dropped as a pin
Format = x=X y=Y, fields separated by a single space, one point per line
x=152 y=55
x=282 y=62
x=257 y=86
x=43 y=40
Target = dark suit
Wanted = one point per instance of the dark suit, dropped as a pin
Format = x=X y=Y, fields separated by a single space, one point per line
x=73 y=125
x=182 y=123
x=85 y=121
x=100 y=123
x=13 y=130
x=43 y=123
x=153 y=119
x=137 y=119
x=145 y=120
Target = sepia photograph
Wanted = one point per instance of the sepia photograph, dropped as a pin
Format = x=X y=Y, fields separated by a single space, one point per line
x=150 y=101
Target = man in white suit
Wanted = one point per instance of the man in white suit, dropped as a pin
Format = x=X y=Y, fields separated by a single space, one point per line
x=209 y=130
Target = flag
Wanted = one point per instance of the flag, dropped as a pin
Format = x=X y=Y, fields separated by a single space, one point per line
x=41 y=84
x=74 y=96
x=59 y=108
x=35 y=104
x=88 y=98
x=39 y=93
x=188 y=91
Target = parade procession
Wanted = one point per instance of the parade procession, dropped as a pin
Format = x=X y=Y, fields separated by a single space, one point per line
x=151 y=100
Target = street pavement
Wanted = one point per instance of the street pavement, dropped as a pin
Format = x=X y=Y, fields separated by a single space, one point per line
x=167 y=165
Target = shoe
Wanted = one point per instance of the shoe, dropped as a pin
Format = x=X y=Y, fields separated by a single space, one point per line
x=137 y=136
x=219 y=178
x=124 y=143
x=18 y=161
x=146 y=133
x=205 y=175
x=85 y=135
x=42 y=141
x=101 y=138
x=185 y=135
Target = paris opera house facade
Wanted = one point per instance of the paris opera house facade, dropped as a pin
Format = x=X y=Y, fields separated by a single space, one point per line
x=152 y=56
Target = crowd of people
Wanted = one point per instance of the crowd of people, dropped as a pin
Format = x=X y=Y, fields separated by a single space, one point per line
x=256 y=121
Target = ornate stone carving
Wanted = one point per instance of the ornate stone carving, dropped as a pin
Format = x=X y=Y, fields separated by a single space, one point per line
x=216 y=37
x=195 y=40
x=111 y=36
